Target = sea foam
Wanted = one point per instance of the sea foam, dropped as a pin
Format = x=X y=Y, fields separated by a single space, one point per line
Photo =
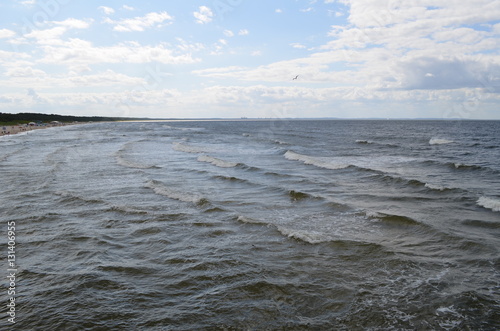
x=493 y=204
x=161 y=189
x=439 y=141
x=187 y=148
x=317 y=161
x=312 y=237
x=217 y=162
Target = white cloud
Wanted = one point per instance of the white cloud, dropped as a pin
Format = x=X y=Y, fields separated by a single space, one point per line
x=244 y=32
x=297 y=45
x=49 y=36
x=106 y=10
x=204 y=15
x=227 y=33
x=128 y=8
x=28 y=3
x=140 y=23
x=5 y=33
x=81 y=52
x=278 y=11
x=25 y=72
x=73 y=23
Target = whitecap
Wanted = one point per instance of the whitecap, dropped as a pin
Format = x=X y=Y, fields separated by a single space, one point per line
x=317 y=161
x=216 y=162
x=249 y=220
x=181 y=196
x=187 y=148
x=312 y=237
x=129 y=164
x=489 y=203
x=439 y=141
x=435 y=187
x=360 y=141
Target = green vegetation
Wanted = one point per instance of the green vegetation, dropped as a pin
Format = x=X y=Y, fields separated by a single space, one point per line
x=23 y=118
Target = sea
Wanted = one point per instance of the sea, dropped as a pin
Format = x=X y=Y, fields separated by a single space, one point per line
x=275 y=224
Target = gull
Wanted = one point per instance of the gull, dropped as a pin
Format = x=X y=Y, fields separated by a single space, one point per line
x=295 y=77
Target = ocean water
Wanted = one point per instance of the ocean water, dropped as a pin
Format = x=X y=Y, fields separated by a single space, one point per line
x=254 y=225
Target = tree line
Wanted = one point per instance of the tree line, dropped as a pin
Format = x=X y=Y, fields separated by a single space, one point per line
x=23 y=118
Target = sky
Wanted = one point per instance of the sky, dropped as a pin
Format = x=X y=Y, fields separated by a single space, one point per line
x=239 y=58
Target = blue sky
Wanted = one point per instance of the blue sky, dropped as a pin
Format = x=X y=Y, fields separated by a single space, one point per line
x=237 y=58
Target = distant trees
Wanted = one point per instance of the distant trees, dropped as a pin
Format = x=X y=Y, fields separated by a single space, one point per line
x=21 y=118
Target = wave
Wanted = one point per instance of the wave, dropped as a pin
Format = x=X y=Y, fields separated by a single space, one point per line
x=311 y=237
x=361 y=141
x=130 y=164
x=248 y=220
x=489 y=203
x=440 y=141
x=187 y=148
x=317 y=161
x=161 y=189
x=121 y=160
x=217 y=162
x=437 y=187
x=392 y=219
x=296 y=195
x=465 y=166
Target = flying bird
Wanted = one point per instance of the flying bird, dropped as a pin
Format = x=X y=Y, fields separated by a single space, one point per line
x=295 y=77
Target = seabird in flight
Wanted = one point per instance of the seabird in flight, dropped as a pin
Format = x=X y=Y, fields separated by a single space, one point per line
x=295 y=77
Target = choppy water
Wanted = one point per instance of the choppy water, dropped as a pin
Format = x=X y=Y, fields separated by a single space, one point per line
x=270 y=225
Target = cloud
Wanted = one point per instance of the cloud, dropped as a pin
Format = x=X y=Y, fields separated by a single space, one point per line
x=128 y=8
x=106 y=10
x=243 y=32
x=72 y=23
x=53 y=36
x=297 y=45
x=35 y=97
x=204 y=15
x=140 y=23
x=25 y=72
x=28 y=3
x=5 y=33
x=81 y=52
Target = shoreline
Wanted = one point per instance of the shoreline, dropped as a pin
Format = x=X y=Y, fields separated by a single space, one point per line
x=9 y=130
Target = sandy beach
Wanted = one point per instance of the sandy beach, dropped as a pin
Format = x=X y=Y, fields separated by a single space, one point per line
x=14 y=129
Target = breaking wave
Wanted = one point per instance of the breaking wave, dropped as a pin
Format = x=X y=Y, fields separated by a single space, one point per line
x=187 y=148
x=309 y=236
x=489 y=203
x=161 y=189
x=360 y=141
x=440 y=141
x=317 y=161
x=217 y=162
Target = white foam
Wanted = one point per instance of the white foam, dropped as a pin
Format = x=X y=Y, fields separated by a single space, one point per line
x=317 y=161
x=163 y=190
x=248 y=220
x=129 y=164
x=493 y=204
x=435 y=187
x=360 y=141
x=217 y=162
x=439 y=141
x=312 y=237
x=186 y=148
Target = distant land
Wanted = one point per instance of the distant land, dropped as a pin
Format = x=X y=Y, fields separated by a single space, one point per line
x=23 y=118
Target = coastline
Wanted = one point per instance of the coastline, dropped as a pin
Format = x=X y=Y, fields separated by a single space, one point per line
x=7 y=130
